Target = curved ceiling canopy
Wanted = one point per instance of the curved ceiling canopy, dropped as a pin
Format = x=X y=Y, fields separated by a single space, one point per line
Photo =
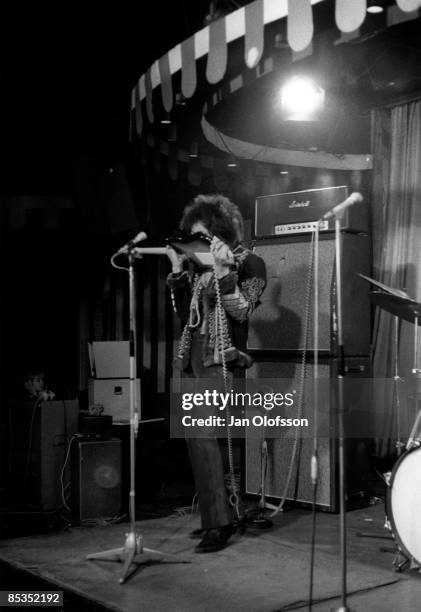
x=210 y=45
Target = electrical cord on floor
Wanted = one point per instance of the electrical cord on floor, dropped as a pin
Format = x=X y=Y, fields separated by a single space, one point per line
x=312 y=546
x=102 y=521
x=32 y=512
x=187 y=510
x=63 y=488
x=29 y=452
x=68 y=523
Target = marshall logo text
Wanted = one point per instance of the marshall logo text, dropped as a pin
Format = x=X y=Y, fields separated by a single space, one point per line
x=295 y=204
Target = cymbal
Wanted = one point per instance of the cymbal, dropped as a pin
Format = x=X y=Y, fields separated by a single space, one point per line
x=398 y=306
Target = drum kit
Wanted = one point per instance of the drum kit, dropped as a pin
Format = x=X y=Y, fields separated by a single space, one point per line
x=403 y=497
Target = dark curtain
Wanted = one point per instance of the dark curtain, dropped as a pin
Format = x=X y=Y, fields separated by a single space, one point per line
x=396 y=207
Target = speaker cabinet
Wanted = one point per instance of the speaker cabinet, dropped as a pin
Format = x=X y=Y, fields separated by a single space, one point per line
x=279 y=322
x=96 y=479
x=38 y=438
x=280 y=450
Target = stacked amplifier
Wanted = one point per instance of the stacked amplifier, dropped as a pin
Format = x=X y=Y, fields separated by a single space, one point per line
x=99 y=462
x=283 y=229
x=109 y=386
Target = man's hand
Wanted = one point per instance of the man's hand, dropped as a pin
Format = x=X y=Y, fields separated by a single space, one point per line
x=176 y=260
x=223 y=257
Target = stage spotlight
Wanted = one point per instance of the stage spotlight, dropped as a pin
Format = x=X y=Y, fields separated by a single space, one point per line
x=301 y=99
x=166 y=119
x=194 y=150
x=180 y=100
x=374 y=7
x=172 y=133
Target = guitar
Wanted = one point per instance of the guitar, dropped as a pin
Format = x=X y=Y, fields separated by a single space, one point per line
x=195 y=246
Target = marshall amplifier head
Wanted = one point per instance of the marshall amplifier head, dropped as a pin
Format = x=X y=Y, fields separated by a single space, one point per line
x=297 y=212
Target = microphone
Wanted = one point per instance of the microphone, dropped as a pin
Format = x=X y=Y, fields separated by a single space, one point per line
x=339 y=208
x=138 y=238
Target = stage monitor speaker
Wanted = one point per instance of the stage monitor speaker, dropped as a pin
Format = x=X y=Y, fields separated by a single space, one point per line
x=278 y=324
x=38 y=439
x=96 y=479
x=280 y=449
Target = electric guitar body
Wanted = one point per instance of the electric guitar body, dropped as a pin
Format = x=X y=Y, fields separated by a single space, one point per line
x=195 y=246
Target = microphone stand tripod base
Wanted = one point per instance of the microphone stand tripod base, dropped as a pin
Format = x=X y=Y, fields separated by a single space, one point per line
x=133 y=547
x=261 y=522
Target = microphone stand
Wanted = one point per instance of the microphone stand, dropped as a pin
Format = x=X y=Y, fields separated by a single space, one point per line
x=260 y=521
x=337 y=213
x=314 y=459
x=340 y=410
x=133 y=545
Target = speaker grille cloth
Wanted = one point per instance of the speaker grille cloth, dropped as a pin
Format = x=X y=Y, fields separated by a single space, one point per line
x=280 y=450
x=279 y=321
x=100 y=478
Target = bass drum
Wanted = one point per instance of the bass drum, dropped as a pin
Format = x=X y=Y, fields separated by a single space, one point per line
x=404 y=504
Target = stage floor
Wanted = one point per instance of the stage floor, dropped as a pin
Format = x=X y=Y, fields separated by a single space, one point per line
x=258 y=571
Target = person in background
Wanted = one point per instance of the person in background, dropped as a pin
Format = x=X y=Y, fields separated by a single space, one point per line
x=35 y=386
x=240 y=278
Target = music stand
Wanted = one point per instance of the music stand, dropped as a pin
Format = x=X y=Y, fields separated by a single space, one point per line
x=133 y=545
x=374 y=296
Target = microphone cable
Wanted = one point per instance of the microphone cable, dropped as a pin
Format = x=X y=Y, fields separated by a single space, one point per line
x=301 y=381
x=314 y=459
x=63 y=488
x=114 y=265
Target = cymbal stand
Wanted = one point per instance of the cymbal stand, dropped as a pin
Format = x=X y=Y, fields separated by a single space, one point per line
x=133 y=545
x=413 y=439
x=396 y=380
x=395 y=406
